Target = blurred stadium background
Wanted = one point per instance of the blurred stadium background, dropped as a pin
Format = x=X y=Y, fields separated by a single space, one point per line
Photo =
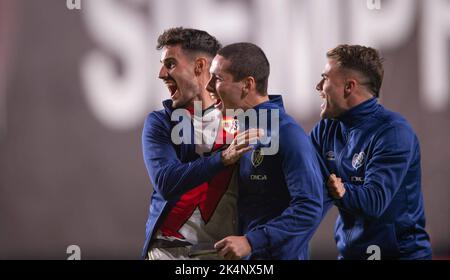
x=76 y=85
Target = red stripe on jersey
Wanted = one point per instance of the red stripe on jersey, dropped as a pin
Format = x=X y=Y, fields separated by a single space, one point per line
x=206 y=196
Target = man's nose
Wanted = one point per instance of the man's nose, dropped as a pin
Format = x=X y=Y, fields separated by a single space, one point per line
x=211 y=86
x=162 y=73
x=319 y=85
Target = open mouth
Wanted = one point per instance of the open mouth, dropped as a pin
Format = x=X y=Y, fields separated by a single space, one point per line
x=218 y=101
x=218 y=104
x=324 y=101
x=172 y=86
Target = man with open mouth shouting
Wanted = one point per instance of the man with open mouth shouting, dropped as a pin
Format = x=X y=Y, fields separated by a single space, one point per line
x=193 y=203
x=371 y=159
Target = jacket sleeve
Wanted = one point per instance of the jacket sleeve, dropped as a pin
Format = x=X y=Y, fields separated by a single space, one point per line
x=298 y=221
x=169 y=176
x=393 y=152
x=316 y=137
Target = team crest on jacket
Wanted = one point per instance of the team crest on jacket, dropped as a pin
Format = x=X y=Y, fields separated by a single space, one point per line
x=358 y=160
x=257 y=157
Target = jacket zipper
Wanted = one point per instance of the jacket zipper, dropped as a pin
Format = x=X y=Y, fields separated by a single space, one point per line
x=340 y=169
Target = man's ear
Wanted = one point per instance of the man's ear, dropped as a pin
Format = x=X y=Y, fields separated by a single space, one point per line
x=349 y=87
x=201 y=65
x=249 y=85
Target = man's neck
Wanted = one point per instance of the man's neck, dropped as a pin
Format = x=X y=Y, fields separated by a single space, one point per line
x=205 y=100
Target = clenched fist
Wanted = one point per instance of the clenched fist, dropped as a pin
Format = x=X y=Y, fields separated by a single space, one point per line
x=335 y=187
x=233 y=247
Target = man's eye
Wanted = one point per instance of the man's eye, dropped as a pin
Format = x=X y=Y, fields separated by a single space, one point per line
x=170 y=65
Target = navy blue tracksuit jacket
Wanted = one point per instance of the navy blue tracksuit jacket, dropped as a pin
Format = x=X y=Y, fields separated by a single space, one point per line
x=280 y=195
x=377 y=155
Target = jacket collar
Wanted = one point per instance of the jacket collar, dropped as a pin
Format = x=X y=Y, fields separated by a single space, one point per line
x=274 y=102
x=360 y=113
x=168 y=106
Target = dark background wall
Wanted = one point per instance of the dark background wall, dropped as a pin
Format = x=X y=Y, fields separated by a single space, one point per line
x=75 y=86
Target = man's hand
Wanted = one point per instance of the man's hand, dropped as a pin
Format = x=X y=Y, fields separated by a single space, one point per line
x=335 y=187
x=233 y=247
x=240 y=145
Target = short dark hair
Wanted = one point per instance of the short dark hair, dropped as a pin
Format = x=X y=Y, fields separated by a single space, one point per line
x=363 y=59
x=247 y=59
x=193 y=40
